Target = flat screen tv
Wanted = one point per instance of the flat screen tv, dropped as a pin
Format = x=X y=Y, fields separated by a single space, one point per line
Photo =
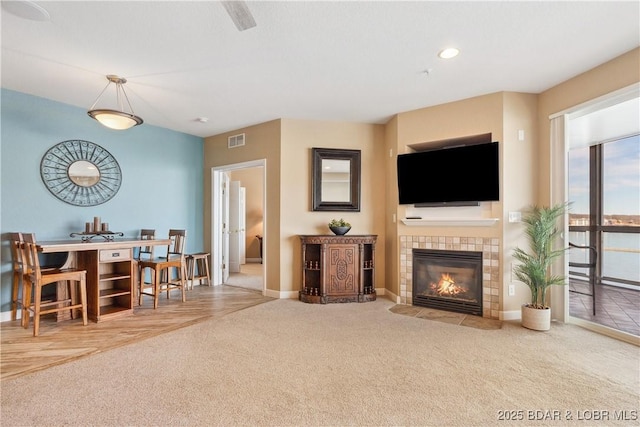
x=460 y=175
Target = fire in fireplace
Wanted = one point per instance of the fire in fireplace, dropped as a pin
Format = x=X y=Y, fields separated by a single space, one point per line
x=448 y=280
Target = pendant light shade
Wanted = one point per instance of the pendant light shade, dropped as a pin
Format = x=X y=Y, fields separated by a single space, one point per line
x=115 y=119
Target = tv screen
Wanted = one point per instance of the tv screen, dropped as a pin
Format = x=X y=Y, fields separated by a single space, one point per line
x=455 y=175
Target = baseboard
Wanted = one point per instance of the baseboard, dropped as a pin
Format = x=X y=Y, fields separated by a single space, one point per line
x=253 y=260
x=388 y=295
x=510 y=315
x=5 y=316
x=281 y=294
x=289 y=294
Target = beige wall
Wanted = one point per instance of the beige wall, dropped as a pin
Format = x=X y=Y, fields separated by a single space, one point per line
x=298 y=137
x=519 y=171
x=261 y=142
x=392 y=274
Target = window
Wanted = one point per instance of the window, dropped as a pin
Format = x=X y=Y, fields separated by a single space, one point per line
x=604 y=188
x=621 y=211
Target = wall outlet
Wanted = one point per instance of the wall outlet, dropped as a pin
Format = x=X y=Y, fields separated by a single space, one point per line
x=512 y=290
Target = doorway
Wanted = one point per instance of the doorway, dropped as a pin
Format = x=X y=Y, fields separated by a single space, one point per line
x=595 y=164
x=251 y=274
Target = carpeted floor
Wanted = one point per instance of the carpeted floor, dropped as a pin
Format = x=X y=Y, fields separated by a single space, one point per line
x=249 y=277
x=286 y=363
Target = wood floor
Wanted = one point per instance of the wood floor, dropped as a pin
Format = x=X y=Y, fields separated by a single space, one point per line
x=61 y=342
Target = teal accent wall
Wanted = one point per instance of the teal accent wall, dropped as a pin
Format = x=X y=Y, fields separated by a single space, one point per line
x=162 y=177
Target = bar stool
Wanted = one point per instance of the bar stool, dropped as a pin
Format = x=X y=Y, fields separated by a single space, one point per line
x=198 y=269
x=144 y=252
x=162 y=268
x=36 y=278
x=18 y=269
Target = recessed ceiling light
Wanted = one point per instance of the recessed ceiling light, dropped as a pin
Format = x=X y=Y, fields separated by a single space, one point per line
x=202 y=119
x=26 y=10
x=448 y=53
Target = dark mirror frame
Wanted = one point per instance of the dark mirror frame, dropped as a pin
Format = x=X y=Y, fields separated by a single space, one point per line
x=353 y=156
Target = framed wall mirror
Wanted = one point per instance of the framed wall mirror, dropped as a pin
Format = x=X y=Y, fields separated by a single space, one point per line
x=335 y=179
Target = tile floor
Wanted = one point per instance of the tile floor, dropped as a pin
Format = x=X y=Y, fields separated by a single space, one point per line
x=616 y=308
x=447 y=316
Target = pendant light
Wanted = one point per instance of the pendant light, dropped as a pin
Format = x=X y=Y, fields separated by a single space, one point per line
x=115 y=119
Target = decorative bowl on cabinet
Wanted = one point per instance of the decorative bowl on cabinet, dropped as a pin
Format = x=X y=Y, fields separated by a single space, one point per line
x=340 y=230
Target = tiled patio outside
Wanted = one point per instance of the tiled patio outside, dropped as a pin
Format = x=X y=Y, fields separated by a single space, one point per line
x=616 y=307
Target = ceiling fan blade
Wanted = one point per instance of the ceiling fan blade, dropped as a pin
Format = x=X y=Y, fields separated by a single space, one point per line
x=240 y=14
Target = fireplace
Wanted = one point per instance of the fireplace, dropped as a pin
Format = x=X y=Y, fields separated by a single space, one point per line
x=448 y=280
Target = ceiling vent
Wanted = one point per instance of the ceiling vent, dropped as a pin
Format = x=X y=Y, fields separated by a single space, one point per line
x=236 y=140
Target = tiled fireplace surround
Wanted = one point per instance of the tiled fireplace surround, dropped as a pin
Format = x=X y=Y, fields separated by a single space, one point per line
x=490 y=248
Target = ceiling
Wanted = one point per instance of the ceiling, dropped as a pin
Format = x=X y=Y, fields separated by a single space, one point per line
x=355 y=61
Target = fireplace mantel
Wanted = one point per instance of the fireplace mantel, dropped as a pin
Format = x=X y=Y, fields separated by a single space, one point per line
x=471 y=222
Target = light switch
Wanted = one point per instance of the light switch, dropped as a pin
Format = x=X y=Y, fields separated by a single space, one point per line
x=515 y=216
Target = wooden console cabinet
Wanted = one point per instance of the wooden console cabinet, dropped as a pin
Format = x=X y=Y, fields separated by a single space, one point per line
x=338 y=268
x=113 y=272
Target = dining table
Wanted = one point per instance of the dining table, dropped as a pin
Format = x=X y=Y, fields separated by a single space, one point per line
x=111 y=272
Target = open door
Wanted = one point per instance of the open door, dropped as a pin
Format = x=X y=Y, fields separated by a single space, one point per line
x=242 y=225
x=237 y=220
x=219 y=227
x=224 y=266
x=220 y=183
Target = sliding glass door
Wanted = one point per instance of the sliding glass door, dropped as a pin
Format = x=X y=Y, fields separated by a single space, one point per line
x=604 y=188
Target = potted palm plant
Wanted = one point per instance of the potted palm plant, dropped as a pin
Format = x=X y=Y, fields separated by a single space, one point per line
x=534 y=268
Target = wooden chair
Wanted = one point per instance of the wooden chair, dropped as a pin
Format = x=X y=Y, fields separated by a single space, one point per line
x=36 y=278
x=167 y=273
x=16 y=243
x=198 y=269
x=18 y=271
x=144 y=252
